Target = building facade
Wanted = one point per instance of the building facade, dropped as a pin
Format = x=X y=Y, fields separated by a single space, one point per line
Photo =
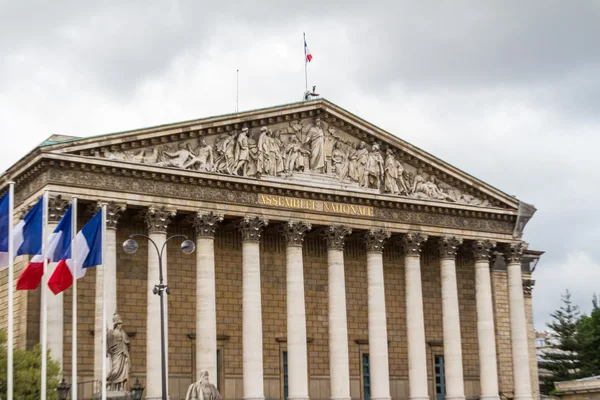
x=333 y=260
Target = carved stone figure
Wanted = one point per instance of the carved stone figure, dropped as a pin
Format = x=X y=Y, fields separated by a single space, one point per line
x=263 y=152
x=276 y=156
x=294 y=156
x=403 y=187
x=373 y=169
x=179 y=158
x=358 y=162
x=203 y=389
x=226 y=150
x=242 y=153
x=315 y=137
x=339 y=159
x=117 y=343
x=204 y=160
x=390 y=181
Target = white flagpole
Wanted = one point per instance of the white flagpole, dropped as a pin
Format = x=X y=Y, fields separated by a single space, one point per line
x=104 y=209
x=305 y=66
x=44 y=290
x=11 y=271
x=74 y=323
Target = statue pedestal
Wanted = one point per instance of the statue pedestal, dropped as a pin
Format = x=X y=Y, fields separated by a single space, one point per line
x=113 y=395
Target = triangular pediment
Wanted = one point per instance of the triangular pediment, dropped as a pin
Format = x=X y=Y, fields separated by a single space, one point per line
x=312 y=143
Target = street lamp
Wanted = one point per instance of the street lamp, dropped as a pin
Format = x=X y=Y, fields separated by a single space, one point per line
x=130 y=246
x=137 y=390
x=63 y=389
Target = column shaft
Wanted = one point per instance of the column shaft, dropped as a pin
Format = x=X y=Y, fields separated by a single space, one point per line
x=339 y=369
x=452 y=343
x=518 y=324
x=486 y=336
x=252 y=323
x=206 y=311
x=153 y=340
x=296 y=325
x=415 y=322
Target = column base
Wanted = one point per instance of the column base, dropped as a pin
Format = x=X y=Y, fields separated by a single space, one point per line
x=455 y=398
x=489 y=397
x=384 y=398
x=340 y=398
x=298 y=398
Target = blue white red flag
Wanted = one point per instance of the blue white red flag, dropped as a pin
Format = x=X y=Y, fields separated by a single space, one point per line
x=27 y=236
x=88 y=251
x=307 y=54
x=4 y=228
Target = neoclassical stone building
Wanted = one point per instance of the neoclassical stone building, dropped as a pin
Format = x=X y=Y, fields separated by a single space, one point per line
x=333 y=260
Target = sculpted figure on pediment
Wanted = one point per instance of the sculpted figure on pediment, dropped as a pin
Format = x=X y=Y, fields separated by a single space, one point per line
x=358 y=162
x=391 y=176
x=315 y=138
x=203 y=161
x=242 y=153
x=373 y=169
x=179 y=158
x=294 y=156
x=339 y=159
x=225 y=148
x=127 y=155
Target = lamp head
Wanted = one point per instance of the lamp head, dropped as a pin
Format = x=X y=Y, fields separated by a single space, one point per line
x=130 y=246
x=188 y=247
x=137 y=390
x=63 y=389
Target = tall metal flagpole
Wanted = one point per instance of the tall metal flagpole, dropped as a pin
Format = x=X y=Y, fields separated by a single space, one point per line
x=11 y=271
x=44 y=327
x=104 y=209
x=237 y=90
x=74 y=323
x=305 y=65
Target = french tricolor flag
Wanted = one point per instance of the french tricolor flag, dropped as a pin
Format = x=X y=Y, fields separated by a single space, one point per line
x=307 y=52
x=4 y=229
x=27 y=236
x=88 y=253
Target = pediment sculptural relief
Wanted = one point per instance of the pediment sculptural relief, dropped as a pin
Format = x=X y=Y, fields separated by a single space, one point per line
x=306 y=150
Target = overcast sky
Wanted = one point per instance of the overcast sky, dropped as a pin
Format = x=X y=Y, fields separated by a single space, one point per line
x=508 y=91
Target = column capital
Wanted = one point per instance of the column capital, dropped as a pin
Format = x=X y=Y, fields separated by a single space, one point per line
x=335 y=236
x=57 y=206
x=482 y=249
x=113 y=212
x=412 y=243
x=158 y=218
x=513 y=252
x=375 y=238
x=294 y=231
x=251 y=227
x=206 y=222
x=448 y=246
x=528 y=285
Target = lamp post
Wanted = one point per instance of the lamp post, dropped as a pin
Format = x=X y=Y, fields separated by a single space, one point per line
x=63 y=389
x=130 y=246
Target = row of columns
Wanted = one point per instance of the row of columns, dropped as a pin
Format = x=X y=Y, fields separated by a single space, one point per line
x=251 y=228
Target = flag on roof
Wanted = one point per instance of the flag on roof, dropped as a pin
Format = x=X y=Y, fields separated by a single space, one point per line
x=88 y=253
x=307 y=54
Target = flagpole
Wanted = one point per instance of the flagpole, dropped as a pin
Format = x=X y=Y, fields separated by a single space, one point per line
x=74 y=322
x=305 y=66
x=44 y=290
x=11 y=271
x=104 y=209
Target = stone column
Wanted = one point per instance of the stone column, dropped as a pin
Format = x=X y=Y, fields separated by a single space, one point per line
x=412 y=244
x=486 y=336
x=57 y=207
x=157 y=220
x=339 y=366
x=513 y=254
x=252 y=354
x=453 y=365
x=378 y=339
x=293 y=232
x=206 y=310
x=114 y=212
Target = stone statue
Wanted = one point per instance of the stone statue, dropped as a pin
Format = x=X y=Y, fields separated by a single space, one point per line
x=117 y=343
x=373 y=169
x=358 y=162
x=203 y=389
x=315 y=137
x=294 y=156
x=179 y=158
x=225 y=148
x=340 y=161
x=390 y=180
x=275 y=153
x=402 y=185
x=263 y=149
x=242 y=153
x=204 y=160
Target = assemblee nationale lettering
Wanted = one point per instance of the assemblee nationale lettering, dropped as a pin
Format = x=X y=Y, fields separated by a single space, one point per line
x=315 y=205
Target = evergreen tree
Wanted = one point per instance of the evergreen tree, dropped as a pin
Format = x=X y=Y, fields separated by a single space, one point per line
x=560 y=362
x=27 y=372
x=588 y=337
